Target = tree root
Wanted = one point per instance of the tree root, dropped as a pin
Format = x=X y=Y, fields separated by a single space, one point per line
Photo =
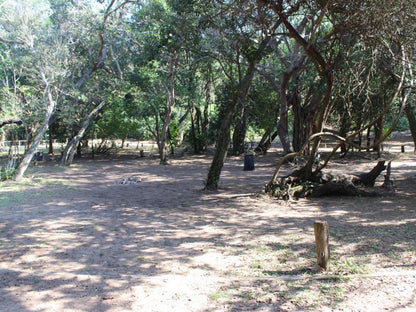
x=323 y=184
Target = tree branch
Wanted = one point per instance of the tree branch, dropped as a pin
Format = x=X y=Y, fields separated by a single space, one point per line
x=11 y=121
x=11 y=42
x=102 y=56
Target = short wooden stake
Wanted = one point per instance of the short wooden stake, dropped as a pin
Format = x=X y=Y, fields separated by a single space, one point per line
x=321 y=229
x=402 y=148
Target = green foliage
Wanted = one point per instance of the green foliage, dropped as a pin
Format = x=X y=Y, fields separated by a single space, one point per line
x=213 y=42
x=118 y=120
x=403 y=124
x=7 y=173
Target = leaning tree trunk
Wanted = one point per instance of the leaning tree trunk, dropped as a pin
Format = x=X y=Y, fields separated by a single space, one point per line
x=71 y=148
x=24 y=164
x=266 y=141
x=224 y=133
x=239 y=130
x=220 y=151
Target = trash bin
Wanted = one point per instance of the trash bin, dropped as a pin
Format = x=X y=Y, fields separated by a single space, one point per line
x=248 y=162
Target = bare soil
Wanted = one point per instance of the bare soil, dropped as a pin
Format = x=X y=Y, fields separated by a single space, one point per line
x=77 y=239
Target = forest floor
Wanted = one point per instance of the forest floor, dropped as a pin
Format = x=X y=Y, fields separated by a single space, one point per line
x=76 y=239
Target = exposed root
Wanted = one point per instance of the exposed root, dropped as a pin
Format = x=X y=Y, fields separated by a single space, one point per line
x=324 y=184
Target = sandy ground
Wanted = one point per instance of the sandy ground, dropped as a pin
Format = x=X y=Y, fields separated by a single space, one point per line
x=76 y=239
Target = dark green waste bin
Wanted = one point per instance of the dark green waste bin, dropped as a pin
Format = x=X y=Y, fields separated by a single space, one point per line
x=248 y=162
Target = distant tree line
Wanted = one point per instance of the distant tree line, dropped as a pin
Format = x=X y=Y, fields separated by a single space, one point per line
x=206 y=72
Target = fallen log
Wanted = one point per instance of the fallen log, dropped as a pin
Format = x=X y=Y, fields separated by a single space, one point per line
x=324 y=184
x=369 y=179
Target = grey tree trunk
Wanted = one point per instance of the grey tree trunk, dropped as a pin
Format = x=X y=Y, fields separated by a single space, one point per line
x=221 y=150
x=169 y=110
x=24 y=164
x=239 y=130
x=224 y=133
x=71 y=147
x=223 y=140
x=69 y=151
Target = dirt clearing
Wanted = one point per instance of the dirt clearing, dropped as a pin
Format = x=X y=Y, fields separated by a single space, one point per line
x=77 y=239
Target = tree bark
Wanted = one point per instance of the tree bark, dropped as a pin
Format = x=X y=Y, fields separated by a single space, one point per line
x=205 y=122
x=223 y=140
x=412 y=121
x=239 y=130
x=71 y=147
x=51 y=127
x=321 y=230
x=325 y=72
x=169 y=110
x=266 y=141
x=24 y=164
x=369 y=179
x=221 y=150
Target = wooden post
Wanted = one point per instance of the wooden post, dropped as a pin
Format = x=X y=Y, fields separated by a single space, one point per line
x=321 y=229
x=402 y=148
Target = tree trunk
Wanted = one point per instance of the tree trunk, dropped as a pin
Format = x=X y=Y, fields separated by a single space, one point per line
x=223 y=140
x=343 y=131
x=240 y=128
x=169 y=110
x=369 y=179
x=283 y=131
x=412 y=121
x=193 y=131
x=378 y=133
x=325 y=72
x=282 y=126
x=50 y=152
x=71 y=147
x=205 y=122
x=79 y=150
x=2 y=137
x=265 y=141
x=221 y=150
x=298 y=131
x=24 y=164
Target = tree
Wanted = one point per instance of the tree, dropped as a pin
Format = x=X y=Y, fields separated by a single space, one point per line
x=101 y=87
x=42 y=46
x=331 y=25
x=253 y=52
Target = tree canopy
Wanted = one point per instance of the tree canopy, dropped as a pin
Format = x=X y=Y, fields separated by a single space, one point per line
x=206 y=73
